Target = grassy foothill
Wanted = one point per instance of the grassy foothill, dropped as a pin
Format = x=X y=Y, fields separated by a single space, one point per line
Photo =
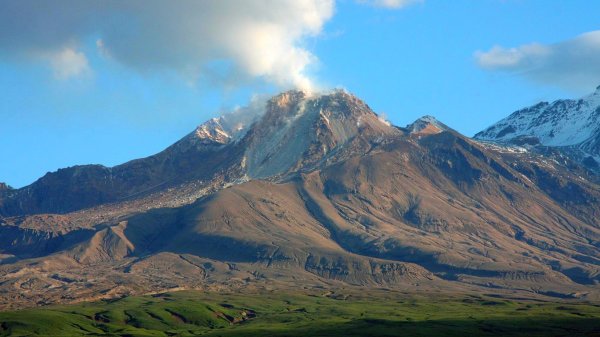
x=193 y=313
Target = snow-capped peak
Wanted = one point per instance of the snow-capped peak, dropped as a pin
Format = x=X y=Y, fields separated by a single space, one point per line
x=572 y=126
x=213 y=130
x=231 y=126
x=560 y=123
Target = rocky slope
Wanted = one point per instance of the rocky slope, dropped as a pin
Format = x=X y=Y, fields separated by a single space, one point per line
x=310 y=191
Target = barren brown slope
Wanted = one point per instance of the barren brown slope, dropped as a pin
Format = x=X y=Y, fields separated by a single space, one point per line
x=441 y=201
x=339 y=196
x=449 y=205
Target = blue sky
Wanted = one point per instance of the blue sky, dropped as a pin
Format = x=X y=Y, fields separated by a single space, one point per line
x=104 y=92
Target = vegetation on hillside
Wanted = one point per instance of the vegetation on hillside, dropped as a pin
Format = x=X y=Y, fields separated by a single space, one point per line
x=192 y=313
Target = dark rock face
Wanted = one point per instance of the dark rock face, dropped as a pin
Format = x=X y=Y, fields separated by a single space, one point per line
x=313 y=189
x=79 y=187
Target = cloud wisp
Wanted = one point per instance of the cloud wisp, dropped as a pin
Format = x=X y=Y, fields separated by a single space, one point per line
x=230 y=41
x=69 y=63
x=572 y=64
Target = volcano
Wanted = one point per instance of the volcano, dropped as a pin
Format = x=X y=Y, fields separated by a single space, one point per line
x=307 y=191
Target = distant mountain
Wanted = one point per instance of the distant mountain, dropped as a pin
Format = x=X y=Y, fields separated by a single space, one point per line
x=303 y=191
x=427 y=125
x=572 y=126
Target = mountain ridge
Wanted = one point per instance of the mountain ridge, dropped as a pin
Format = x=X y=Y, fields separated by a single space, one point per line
x=316 y=191
x=183 y=161
x=571 y=125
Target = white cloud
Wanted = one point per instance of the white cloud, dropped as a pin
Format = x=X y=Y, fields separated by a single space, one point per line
x=227 y=42
x=224 y=40
x=499 y=57
x=572 y=64
x=390 y=4
x=69 y=63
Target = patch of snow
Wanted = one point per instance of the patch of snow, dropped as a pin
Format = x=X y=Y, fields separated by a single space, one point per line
x=503 y=148
x=232 y=126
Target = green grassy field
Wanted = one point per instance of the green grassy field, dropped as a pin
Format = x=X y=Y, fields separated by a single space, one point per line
x=192 y=313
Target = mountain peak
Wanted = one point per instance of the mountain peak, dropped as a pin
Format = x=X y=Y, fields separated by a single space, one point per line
x=426 y=125
x=299 y=130
x=277 y=112
x=428 y=119
x=568 y=122
x=230 y=126
x=213 y=130
x=287 y=97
